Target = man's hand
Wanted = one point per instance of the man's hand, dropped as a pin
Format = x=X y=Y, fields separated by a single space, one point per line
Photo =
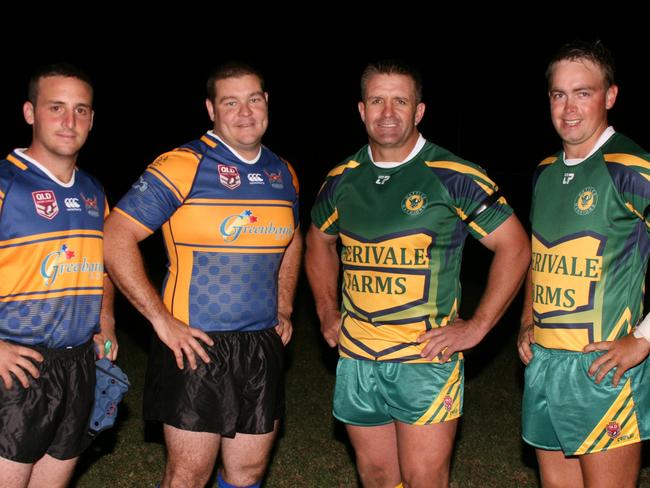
x=459 y=335
x=182 y=340
x=17 y=360
x=525 y=339
x=330 y=326
x=622 y=354
x=105 y=334
x=284 y=328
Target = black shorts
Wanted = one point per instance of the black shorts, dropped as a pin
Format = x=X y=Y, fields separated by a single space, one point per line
x=240 y=390
x=51 y=416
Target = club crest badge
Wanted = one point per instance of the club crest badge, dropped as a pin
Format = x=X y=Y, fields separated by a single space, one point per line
x=229 y=176
x=613 y=429
x=45 y=204
x=586 y=201
x=448 y=402
x=91 y=205
x=275 y=179
x=414 y=203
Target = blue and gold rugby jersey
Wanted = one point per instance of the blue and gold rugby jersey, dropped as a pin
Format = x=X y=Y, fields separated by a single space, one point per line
x=226 y=225
x=590 y=245
x=51 y=255
x=403 y=230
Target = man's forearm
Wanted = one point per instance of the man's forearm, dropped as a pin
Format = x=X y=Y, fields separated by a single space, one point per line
x=288 y=274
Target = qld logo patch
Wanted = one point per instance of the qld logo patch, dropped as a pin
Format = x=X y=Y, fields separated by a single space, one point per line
x=414 y=203
x=228 y=176
x=613 y=429
x=45 y=204
x=586 y=201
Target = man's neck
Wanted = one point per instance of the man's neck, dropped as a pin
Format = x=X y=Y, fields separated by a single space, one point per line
x=60 y=166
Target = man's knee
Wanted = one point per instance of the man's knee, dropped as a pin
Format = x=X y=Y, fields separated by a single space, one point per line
x=243 y=475
x=375 y=474
x=182 y=475
x=432 y=474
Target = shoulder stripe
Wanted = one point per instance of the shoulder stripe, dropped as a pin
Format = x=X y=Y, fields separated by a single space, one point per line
x=330 y=220
x=549 y=160
x=12 y=159
x=482 y=179
x=165 y=181
x=206 y=140
x=341 y=168
x=627 y=160
x=294 y=176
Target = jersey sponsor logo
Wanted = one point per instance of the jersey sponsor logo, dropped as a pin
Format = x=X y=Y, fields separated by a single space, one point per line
x=229 y=176
x=414 y=203
x=255 y=179
x=586 y=201
x=72 y=204
x=567 y=178
x=91 y=205
x=45 y=204
x=565 y=273
x=141 y=185
x=275 y=179
x=387 y=274
x=613 y=429
x=381 y=179
x=63 y=261
x=233 y=226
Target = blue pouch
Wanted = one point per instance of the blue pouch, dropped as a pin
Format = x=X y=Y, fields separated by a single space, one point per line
x=112 y=384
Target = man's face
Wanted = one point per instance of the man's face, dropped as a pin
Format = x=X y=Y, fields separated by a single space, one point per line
x=240 y=113
x=579 y=103
x=61 y=118
x=390 y=111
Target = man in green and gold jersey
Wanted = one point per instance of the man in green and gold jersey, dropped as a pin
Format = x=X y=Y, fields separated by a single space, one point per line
x=587 y=394
x=402 y=207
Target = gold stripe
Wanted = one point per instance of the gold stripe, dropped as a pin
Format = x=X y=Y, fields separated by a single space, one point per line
x=330 y=220
x=453 y=378
x=340 y=169
x=238 y=202
x=466 y=169
x=604 y=440
x=626 y=316
x=208 y=141
x=52 y=235
x=598 y=430
x=549 y=160
x=164 y=181
x=17 y=162
x=627 y=160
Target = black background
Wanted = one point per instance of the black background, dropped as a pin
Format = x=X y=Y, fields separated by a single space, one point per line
x=484 y=86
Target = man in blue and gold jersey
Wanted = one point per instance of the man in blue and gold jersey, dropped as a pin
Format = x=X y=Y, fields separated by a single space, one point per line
x=51 y=307
x=228 y=208
x=402 y=207
x=586 y=401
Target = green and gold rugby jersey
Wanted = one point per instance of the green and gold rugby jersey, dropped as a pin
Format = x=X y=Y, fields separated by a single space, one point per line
x=590 y=245
x=403 y=231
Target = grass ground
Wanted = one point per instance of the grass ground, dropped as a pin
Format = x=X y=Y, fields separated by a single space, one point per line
x=313 y=450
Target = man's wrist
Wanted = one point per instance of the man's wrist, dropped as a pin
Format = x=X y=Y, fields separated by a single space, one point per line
x=642 y=330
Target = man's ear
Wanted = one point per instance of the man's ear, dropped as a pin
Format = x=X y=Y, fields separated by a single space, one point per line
x=28 y=112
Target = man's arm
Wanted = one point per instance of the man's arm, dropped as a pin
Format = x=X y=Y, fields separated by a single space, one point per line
x=322 y=265
x=511 y=248
x=107 y=322
x=526 y=330
x=16 y=359
x=124 y=262
x=287 y=281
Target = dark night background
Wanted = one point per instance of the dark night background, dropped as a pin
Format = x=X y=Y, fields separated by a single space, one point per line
x=485 y=93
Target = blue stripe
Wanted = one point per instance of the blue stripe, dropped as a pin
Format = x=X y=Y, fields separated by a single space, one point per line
x=45 y=239
x=52 y=291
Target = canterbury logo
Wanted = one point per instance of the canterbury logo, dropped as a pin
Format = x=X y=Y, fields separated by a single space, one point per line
x=72 y=203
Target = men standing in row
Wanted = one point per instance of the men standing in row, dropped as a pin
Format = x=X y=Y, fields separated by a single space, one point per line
x=586 y=402
x=228 y=208
x=402 y=207
x=51 y=306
